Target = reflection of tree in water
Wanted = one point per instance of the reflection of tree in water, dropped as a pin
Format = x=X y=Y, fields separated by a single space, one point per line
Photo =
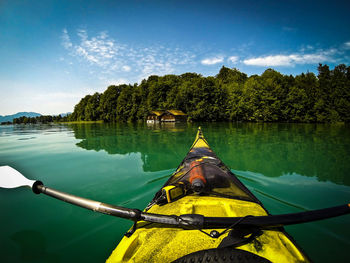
x=276 y=149
x=271 y=149
x=161 y=147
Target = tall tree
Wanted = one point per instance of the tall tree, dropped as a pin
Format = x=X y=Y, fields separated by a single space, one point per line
x=108 y=103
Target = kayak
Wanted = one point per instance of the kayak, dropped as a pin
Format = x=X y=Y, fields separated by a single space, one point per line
x=203 y=185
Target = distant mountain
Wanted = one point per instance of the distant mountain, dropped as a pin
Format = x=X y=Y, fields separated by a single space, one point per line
x=17 y=115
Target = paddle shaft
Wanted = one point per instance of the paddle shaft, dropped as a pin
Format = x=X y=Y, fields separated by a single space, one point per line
x=117 y=211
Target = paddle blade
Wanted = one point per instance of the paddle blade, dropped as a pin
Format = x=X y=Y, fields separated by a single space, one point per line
x=11 y=178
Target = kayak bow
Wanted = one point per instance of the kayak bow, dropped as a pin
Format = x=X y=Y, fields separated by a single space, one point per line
x=222 y=215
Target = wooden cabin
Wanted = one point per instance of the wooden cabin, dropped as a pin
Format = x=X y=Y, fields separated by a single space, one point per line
x=155 y=116
x=173 y=116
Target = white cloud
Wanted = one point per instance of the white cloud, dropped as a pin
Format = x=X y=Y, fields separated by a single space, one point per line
x=82 y=34
x=126 y=68
x=309 y=58
x=347 y=45
x=66 y=42
x=233 y=59
x=117 y=81
x=106 y=56
x=98 y=50
x=292 y=59
x=276 y=60
x=213 y=60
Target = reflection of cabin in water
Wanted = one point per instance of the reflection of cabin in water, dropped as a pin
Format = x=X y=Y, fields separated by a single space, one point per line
x=166 y=116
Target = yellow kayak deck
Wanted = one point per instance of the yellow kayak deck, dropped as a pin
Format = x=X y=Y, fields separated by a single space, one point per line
x=156 y=243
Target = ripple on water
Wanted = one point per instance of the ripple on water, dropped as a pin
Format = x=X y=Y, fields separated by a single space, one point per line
x=27 y=138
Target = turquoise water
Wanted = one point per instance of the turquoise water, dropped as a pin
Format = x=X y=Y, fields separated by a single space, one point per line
x=289 y=167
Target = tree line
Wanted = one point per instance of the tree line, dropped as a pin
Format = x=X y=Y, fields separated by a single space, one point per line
x=229 y=96
x=40 y=119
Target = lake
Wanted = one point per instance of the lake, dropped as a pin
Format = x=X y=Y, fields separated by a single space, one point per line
x=289 y=167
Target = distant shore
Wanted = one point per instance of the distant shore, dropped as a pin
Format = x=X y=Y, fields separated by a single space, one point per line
x=80 y=122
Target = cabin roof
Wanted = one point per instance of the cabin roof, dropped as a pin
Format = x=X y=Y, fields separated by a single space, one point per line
x=158 y=112
x=176 y=112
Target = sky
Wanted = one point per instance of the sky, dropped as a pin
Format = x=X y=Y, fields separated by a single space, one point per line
x=54 y=52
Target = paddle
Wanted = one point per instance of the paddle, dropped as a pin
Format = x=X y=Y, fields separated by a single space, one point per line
x=11 y=178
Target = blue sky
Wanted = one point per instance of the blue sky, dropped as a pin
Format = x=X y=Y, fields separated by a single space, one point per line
x=55 y=52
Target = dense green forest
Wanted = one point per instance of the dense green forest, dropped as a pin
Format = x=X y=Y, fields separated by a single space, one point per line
x=229 y=96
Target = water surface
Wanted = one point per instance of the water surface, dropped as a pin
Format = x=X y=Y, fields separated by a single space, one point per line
x=289 y=167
